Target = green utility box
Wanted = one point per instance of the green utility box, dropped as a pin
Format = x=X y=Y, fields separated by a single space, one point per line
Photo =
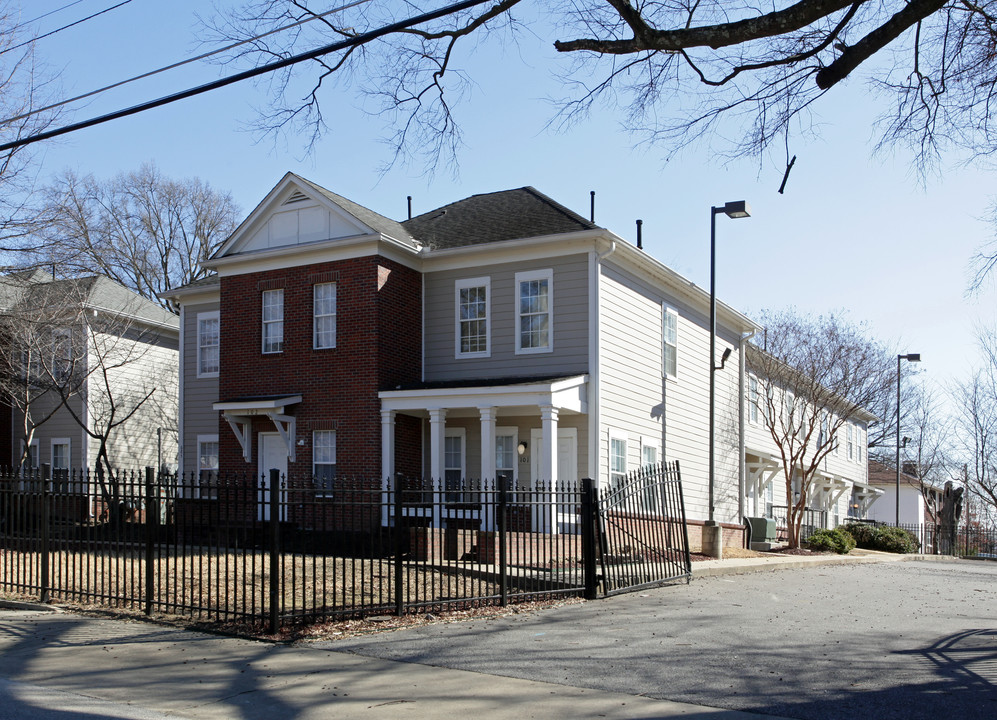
x=762 y=532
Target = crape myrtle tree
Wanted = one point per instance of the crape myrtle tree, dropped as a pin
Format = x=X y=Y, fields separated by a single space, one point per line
x=42 y=362
x=145 y=231
x=816 y=374
x=676 y=70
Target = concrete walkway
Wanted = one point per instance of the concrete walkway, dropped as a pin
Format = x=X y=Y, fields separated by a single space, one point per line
x=62 y=665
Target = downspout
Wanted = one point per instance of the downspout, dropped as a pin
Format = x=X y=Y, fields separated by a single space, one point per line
x=595 y=415
x=742 y=460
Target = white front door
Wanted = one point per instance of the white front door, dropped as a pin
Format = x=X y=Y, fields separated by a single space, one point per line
x=272 y=455
x=567 y=455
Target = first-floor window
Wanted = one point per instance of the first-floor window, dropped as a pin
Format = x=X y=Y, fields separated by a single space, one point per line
x=770 y=499
x=324 y=460
x=505 y=453
x=652 y=480
x=207 y=466
x=453 y=464
x=60 y=464
x=617 y=462
x=31 y=459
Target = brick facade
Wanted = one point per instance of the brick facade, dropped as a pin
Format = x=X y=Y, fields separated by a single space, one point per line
x=378 y=345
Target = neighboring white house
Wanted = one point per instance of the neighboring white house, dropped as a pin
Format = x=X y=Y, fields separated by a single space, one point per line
x=913 y=508
x=500 y=334
x=112 y=351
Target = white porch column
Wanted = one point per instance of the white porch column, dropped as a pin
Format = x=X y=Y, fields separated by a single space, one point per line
x=387 y=462
x=487 y=443
x=548 y=465
x=487 y=458
x=437 y=425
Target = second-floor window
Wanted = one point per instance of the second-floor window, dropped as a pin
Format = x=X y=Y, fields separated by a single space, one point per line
x=670 y=346
x=534 y=303
x=753 y=399
x=324 y=310
x=473 y=317
x=273 y=321
x=207 y=344
x=849 y=436
x=62 y=353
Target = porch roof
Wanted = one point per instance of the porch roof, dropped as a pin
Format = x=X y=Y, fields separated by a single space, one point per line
x=567 y=394
x=260 y=405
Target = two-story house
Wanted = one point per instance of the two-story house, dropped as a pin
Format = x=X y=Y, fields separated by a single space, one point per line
x=502 y=334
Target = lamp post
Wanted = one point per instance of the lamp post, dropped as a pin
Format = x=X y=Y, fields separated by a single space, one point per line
x=910 y=357
x=734 y=210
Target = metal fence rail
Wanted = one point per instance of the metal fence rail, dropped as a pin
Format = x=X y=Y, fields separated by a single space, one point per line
x=275 y=550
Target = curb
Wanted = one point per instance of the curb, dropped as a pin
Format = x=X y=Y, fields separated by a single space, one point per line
x=766 y=565
x=20 y=605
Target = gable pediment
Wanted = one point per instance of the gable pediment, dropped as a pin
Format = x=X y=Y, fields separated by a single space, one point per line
x=293 y=214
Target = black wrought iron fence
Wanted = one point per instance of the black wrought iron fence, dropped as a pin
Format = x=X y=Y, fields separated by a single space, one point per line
x=226 y=548
x=810 y=522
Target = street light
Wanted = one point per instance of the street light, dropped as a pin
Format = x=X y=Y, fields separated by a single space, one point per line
x=911 y=357
x=734 y=210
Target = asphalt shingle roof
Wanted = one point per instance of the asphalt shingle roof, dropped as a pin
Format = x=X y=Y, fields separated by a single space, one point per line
x=493 y=217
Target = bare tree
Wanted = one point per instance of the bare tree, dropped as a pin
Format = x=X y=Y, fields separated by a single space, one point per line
x=676 y=69
x=818 y=374
x=930 y=434
x=146 y=232
x=25 y=87
x=977 y=422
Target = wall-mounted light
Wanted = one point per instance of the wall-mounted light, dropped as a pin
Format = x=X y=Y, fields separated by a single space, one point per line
x=521 y=449
x=301 y=443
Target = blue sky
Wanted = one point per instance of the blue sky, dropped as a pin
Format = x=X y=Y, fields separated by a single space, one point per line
x=851 y=233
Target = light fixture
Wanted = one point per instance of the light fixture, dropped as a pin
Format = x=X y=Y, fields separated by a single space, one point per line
x=737 y=209
x=521 y=449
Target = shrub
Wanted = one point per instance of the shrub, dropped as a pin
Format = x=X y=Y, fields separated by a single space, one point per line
x=884 y=538
x=896 y=540
x=837 y=540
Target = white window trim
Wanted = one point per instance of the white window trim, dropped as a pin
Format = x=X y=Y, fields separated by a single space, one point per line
x=526 y=276
x=197 y=450
x=514 y=431
x=69 y=450
x=264 y=322
x=462 y=434
x=212 y=315
x=325 y=492
x=616 y=435
x=667 y=311
x=464 y=284
x=34 y=454
x=754 y=401
x=334 y=314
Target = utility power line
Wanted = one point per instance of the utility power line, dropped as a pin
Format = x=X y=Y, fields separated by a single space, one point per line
x=64 y=27
x=42 y=17
x=175 y=65
x=360 y=39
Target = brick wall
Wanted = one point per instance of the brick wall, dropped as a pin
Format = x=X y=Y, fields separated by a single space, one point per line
x=378 y=345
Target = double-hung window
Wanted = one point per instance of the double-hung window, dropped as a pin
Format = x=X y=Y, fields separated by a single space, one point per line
x=324 y=316
x=851 y=442
x=617 y=462
x=207 y=344
x=473 y=328
x=506 y=440
x=60 y=464
x=273 y=321
x=753 y=399
x=651 y=489
x=669 y=344
x=62 y=353
x=453 y=464
x=324 y=460
x=207 y=466
x=534 y=311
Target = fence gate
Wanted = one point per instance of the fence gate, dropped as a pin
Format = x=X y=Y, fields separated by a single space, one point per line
x=643 y=536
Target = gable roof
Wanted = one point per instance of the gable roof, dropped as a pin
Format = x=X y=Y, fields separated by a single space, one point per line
x=493 y=217
x=375 y=221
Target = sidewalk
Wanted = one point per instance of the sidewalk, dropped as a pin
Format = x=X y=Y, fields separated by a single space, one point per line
x=61 y=665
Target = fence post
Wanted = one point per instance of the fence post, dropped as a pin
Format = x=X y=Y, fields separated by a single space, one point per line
x=399 y=544
x=45 y=580
x=274 y=549
x=503 y=529
x=151 y=519
x=589 y=527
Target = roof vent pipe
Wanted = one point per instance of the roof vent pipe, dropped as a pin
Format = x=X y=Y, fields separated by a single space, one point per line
x=640 y=242
x=409 y=207
x=592 y=210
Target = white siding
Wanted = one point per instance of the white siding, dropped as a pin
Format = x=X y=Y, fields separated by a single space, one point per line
x=638 y=401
